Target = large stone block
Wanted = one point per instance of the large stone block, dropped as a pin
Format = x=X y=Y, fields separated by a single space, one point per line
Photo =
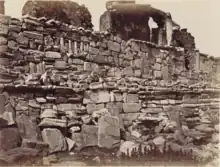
x=131 y=107
x=27 y=127
x=108 y=131
x=55 y=140
x=89 y=135
x=9 y=139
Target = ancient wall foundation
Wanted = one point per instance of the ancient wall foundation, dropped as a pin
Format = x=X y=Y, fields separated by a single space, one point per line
x=64 y=88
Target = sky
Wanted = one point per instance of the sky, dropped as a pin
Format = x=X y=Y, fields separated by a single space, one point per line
x=200 y=17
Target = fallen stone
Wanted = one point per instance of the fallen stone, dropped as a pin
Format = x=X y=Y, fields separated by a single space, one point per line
x=55 y=140
x=131 y=107
x=27 y=126
x=108 y=131
x=9 y=139
x=89 y=135
x=48 y=122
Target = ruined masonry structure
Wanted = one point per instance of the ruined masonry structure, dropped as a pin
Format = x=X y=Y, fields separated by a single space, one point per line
x=65 y=88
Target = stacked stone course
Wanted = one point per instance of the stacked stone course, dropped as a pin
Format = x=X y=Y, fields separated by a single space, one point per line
x=65 y=88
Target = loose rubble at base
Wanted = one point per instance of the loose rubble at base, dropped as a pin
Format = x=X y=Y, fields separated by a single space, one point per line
x=66 y=89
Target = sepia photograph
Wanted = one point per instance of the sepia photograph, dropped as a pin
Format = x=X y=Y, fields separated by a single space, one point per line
x=117 y=83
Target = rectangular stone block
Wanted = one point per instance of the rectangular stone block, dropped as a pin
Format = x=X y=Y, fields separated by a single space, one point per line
x=60 y=65
x=89 y=135
x=108 y=131
x=33 y=35
x=131 y=98
x=3 y=29
x=53 y=55
x=131 y=107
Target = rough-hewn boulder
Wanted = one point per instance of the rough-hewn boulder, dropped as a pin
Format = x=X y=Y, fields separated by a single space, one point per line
x=66 y=11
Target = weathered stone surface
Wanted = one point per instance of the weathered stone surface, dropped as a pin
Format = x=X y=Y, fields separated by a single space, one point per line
x=114 y=46
x=65 y=11
x=131 y=107
x=8 y=116
x=53 y=55
x=48 y=113
x=55 y=139
x=16 y=154
x=9 y=139
x=27 y=127
x=89 y=135
x=3 y=29
x=60 y=65
x=131 y=98
x=99 y=97
x=48 y=122
x=108 y=131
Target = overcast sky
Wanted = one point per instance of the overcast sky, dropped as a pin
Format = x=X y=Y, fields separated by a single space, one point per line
x=201 y=17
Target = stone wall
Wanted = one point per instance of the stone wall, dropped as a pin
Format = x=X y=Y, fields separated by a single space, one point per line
x=66 y=89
